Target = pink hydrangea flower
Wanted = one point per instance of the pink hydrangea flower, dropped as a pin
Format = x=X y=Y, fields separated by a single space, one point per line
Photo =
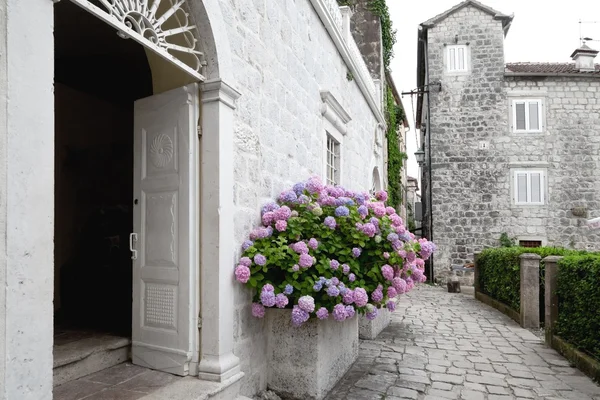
x=305 y=261
x=361 y=298
x=283 y=213
x=381 y=195
x=339 y=312
x=391 y=292
x=296 y=268
x=313 y=243
x=299 y=247
x=351 y=277
x=268 y=288
x=246 y=261
x=348 y=297
x=345 y=269
x=258 y=310
x=399 y=285
x=281 y=300
x=242 y=273
x=390 y=210
x=268 y=217
x=387 y=272
x=334 y=264
x=322 y=313
x=281 y=225
x=306 y=303
x=386 y=255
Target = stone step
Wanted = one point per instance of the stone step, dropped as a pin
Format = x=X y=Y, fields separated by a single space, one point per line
x=89 y=355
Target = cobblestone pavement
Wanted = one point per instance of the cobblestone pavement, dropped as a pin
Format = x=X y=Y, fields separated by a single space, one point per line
x=450 y=346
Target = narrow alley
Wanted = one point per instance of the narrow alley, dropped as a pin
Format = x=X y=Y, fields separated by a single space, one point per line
x=450 y=346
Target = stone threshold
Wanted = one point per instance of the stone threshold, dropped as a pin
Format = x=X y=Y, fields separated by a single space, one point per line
x=192 y=388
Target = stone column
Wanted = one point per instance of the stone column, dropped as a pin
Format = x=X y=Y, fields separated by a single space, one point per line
x=530 y=290
x=26 y=198
x=551 y=298
x=217 y=361
x=476 y=286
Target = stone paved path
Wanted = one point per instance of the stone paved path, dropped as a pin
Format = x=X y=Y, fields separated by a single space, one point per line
x=450 y=346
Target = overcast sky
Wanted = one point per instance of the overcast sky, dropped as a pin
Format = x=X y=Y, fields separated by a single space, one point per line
x=541 y=31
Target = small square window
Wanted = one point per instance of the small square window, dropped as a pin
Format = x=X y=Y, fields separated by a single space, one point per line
x=333 y=161
x=530 y=243
x=529 y=187
x=527 y=115
x=457 y=58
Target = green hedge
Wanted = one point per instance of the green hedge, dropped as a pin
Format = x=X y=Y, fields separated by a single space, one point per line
x=578 y=284
x=500 y=272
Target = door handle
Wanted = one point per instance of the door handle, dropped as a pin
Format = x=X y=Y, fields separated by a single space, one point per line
x=133 y=238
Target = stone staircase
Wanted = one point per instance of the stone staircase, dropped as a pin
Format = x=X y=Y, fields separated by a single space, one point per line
x=88 y=354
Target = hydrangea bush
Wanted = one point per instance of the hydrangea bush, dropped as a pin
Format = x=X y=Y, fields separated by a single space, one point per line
x=325 y=251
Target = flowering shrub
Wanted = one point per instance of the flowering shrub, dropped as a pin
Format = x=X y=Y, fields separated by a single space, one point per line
x=325 y=251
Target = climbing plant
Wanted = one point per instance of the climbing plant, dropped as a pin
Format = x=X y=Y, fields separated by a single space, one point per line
x=395 y=117
x=388 y=33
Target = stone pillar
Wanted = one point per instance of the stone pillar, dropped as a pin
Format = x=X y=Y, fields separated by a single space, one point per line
x=26 y=198
x=530 y=290
x=550 y=296
x=476 y=286
x=217 y=361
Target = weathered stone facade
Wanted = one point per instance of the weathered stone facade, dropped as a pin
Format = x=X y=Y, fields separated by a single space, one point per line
x=474 y=151
x=285 y=57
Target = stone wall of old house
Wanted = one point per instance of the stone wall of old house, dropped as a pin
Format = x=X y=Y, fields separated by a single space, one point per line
x=475 y=152
x=366 y=30
x=284 y=57
x=469 y=109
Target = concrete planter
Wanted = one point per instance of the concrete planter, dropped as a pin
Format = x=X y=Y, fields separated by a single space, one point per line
x=371 y=329
x=306 y=362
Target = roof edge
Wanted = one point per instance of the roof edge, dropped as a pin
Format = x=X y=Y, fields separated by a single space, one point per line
x=557 y=74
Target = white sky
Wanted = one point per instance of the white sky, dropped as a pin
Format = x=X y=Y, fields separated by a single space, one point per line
x=542 y=30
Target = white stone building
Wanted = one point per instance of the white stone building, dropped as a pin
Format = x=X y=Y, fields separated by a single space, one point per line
x=128 y=131
x=510 y=148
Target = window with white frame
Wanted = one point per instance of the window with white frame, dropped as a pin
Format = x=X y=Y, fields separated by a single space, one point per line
x=457 y=59
x=527 y=115
x=529 y=187
x=332 y=161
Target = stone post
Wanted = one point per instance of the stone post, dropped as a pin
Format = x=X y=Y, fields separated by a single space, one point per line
x=476 y=286
x=530 y=290
x=551 y=299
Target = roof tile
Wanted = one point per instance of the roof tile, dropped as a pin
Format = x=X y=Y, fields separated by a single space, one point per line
x=548 y=68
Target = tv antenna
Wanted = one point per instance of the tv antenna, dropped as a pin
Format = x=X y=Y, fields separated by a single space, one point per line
x=582 y=39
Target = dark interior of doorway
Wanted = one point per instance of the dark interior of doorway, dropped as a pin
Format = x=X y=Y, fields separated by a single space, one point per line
x=98 y=76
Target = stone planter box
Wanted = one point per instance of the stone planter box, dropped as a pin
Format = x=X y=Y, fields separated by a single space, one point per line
x=306 y=362
x=371 y=329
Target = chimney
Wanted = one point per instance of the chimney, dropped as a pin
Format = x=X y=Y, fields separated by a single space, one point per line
x=584 y=58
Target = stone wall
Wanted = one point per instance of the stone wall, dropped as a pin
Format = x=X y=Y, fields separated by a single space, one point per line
x=284 y=57
x=472 y=196
x=469 y=109
x=366 y=30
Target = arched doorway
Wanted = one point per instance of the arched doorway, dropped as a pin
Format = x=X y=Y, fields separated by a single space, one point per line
x=126 y=192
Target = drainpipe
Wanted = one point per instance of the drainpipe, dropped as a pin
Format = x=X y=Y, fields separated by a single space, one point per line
x=430 y=183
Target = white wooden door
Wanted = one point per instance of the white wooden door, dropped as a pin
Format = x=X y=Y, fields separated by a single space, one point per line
x=165 y=235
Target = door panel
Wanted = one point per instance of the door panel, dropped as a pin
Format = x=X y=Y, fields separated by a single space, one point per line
x=165 y=271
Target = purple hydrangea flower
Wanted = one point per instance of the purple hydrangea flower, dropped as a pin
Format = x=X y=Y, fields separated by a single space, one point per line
x=289 y=289
x=247 y=244
x=417 y=274
x=334 y=264
x=386 y=255
x=371 y=312
x=333 y=291
x=360 y=297
x=289 y=196
x=377 y=295
x=368 y=229
x=299 y=247
x=387 y=272
x=351 y=277
x=268 y=288
x=345 y=269
x=299 y=316
x=348 y=297
x=258 y=310
x=303 y=199
x=330 y=222
x=305 y=260
x=269 y=231
x=343 y=290
x=313 y=243
x=246 y=261
x=322 y=313
x=392 y=237
x=342 y=211
x=356 y=251
x=299 y=188
x=242 y=273
x=399 y=285
x=295 y=268
x=281 y=300
x=390 y=210
x=363 y=211
x=350 y=311
x=391 y=305
x=335 y=281
x=283 y=213
x=328 y=282
x=259 y=259
x=391 y=292
x=267 y=218
x=339 y=312
x=267 y=298
x=381 y=195
x=314 y=185
x=306 y=303
x=317 y=286
x=272 y=206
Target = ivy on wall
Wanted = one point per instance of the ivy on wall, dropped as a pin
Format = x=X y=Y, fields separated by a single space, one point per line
x=395 y=116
